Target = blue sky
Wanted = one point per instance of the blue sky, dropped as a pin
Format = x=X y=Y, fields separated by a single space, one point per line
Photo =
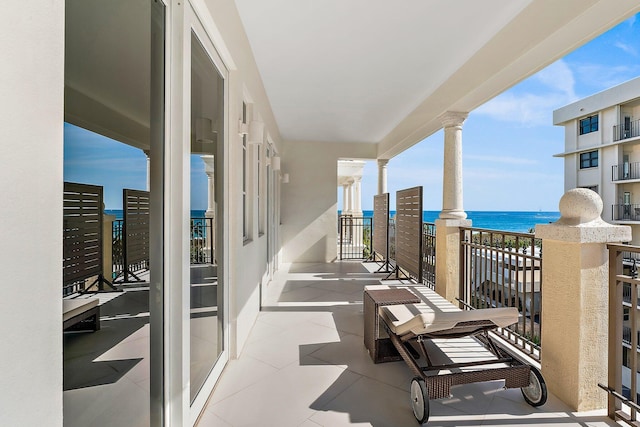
x=508 y=143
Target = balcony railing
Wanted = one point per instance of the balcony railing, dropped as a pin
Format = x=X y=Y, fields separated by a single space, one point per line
x=625 y=212
x=623 y=333
x=354 y=237
x=626 y=130
x=429 y=254
x=625 y=171
x=201 y=241
x=504 y=269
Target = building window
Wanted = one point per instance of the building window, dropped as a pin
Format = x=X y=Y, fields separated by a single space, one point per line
x=245 y=227
x=589 y=124
x=589 y=159
x=591 y=187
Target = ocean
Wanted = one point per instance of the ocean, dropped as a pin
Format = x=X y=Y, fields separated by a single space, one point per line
x=516 y=221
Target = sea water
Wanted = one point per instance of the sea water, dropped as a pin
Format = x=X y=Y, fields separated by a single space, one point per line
x=516 y=221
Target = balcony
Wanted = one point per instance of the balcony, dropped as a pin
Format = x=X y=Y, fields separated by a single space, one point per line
x=305 y=364
x=626 y=130
x=625 y=212
x=625 y=172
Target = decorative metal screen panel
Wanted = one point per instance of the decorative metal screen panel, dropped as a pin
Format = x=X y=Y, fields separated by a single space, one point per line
x=136 y=228
x=409 y=231
x=381 y=225
x=82 y=232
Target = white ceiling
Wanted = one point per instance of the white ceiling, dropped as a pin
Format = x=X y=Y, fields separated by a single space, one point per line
x=380 y=71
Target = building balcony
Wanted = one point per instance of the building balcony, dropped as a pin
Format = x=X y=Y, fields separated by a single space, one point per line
x=625 y=212
x=627 y=130
x=625 y=172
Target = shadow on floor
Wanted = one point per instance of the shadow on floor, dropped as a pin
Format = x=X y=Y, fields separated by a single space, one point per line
x=81 y=349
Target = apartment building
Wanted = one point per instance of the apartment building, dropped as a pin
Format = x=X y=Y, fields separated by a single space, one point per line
x=602 y=150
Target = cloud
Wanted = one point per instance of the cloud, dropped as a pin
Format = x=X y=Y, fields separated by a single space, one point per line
x=602 y=77
x=527 y=109
x=627 y=48
x=558 y=77
x=547 y=90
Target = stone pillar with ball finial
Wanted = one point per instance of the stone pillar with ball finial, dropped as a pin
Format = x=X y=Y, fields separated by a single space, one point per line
x=575 y=301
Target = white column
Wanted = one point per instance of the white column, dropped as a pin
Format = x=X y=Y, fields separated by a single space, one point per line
x=357 y=196
x=452 y=173
x=357 y=212
x=382 y=176
x=349 y=197
x=146 y=153
x=209 y=169
x=345 y=192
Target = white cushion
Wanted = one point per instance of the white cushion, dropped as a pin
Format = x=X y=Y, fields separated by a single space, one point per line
x=423 y=319
x=74 y=307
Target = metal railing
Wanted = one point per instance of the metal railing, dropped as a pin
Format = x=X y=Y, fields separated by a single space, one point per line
x=504 y=269
x=201 y=241
x=392 y=239
x=354 y=237
x=624 y=334
x=625 y=212
x=117 y=248
x=626 y=130
x=625 y=171
x=429 y=254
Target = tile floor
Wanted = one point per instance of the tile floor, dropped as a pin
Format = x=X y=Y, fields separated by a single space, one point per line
x=305 y=365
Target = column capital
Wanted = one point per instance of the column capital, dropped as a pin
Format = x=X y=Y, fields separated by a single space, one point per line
x=209 y=163
x=382 y=162
x=453 y=118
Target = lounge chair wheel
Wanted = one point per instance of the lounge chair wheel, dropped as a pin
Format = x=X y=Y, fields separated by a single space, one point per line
x=535 y=394
x=419 y=400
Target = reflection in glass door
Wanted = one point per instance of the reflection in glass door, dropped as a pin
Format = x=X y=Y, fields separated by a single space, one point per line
x=207 y=145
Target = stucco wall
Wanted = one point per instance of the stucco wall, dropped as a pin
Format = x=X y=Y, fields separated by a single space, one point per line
x=31 y=144
x=309 y=201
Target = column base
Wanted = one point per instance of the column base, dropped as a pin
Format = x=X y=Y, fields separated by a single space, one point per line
x=453 y=214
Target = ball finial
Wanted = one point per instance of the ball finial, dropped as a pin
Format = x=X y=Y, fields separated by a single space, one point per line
x=580 y=205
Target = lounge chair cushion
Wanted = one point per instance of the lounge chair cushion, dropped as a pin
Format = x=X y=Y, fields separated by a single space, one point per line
x=422 y=318
x=74 y=307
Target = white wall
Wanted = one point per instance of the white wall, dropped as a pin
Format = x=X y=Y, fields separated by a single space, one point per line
x=309 y=200
x=31 y=144
x=247 y=260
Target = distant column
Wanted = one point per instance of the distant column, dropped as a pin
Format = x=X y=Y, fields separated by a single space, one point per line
x=147 y=153
x=345 y=191
x=209 y=169
x=382 y=175
x=357 y=196
x=452 y=174
x=210 y=213
x=349 y=197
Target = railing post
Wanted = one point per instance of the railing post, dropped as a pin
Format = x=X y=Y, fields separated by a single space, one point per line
x=107 y=246
x=448 y=257
x=575 y=299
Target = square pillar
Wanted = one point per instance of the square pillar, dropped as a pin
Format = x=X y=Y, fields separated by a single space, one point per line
x=575 y=309
x=448 y=257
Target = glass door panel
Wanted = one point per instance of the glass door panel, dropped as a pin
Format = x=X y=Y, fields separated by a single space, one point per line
x=207 y=144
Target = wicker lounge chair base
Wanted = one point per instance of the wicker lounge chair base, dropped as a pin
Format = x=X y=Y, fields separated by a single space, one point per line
x=409 y=332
